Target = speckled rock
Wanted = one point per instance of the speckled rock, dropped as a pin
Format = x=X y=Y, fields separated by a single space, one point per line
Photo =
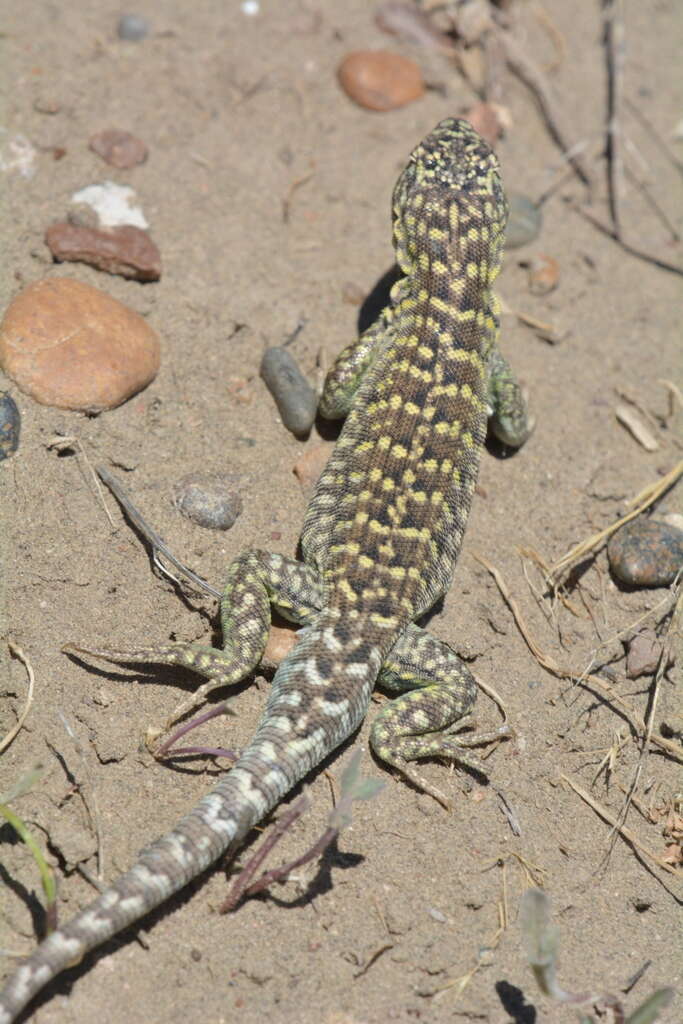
x=646 y=553
x=208 y=499
x=72 y=346
x=644 y=652
x=127 y=250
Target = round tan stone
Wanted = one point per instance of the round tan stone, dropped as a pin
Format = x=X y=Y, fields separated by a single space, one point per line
x=380 y=80
x=72 y=346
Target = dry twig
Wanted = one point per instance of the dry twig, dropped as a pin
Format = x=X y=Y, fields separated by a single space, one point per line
x=18 y=653
x=158 y=545
x=614 y=50
x=623 y=831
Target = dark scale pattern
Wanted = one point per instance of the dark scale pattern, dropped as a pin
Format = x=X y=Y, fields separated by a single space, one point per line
x=380 y=540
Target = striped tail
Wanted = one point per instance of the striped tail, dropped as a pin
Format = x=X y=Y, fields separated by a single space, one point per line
x=320 y=695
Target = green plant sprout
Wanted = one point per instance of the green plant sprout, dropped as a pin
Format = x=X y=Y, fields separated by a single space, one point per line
x=541 y=939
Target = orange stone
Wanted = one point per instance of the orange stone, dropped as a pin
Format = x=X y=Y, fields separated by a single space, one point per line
x=69 y=345
x=380 y=80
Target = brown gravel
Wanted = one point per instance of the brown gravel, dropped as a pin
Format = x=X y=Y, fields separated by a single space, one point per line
x=126 y=250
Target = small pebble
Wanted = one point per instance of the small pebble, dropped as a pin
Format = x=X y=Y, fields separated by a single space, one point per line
x=644 y=652
x=352 y=294
x=280 y=642
x=133 y=27
x=81 y=215
x=119 y=149
x=489 y=119
x=524 y=221
x=72 y=346
x=308 y=468
x=46 y=105
x=295 y=398
x=544 y=274
x=127 y=251
x=209 y=499
x=646 y=553
x=379 y=80
x=10 y=425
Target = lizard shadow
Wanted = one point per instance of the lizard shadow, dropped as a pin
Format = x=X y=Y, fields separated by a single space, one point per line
x=514 y=1003
x=27 y=897
x=371 y=307
x=320 y=884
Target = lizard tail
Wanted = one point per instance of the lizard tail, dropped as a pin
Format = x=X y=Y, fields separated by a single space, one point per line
x=320 y=695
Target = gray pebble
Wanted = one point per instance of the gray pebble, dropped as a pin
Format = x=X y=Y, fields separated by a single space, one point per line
x=646 y=553
x=10 y=425
x=133 y=27
x=208 y=499
x=524 y=221
x=295 y=398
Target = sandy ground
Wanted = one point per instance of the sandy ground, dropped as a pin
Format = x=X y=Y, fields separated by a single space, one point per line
x=236 y=111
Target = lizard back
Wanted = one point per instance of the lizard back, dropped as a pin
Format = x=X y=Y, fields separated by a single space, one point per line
x=387 y=518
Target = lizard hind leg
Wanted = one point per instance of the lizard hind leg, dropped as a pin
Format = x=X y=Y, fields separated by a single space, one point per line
x=436 y=694
x=255 y=581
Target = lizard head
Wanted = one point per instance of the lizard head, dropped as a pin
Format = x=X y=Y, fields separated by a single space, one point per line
x=451 y=184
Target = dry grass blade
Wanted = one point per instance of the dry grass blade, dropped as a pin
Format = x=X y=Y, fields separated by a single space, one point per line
x=87 y=793
x=642 y=501
x=640 y=254
x=623 y=831
x=614 y=51
x=18 y=653
x=522 y=66
x=159 y=546
x=62 y=443
x=628 y=418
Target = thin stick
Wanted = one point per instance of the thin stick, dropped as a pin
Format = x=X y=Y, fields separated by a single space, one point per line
x=243 y=884
x=614 y=52
x=644 y=749
x=87 y=793
x=640 y=254
x=61 y=442
x=647 y=125
x=158 y=545
x=653 y=204
x=623 y=831
x=18 y=653
x=532 y=77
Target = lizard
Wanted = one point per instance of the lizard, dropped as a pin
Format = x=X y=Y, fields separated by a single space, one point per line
x=380 y=539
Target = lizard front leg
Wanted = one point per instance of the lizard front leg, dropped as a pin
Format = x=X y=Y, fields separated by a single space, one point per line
x=510 y=420
x=256 y=580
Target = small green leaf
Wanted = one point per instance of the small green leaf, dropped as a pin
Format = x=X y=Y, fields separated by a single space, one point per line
x=366 y=789
x=649 y=1010
x=46 y=876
